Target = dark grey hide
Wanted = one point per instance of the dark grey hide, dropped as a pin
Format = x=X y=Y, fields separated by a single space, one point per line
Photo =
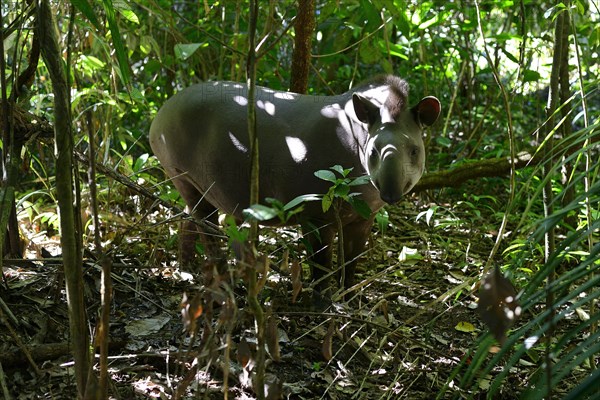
x=200 y=137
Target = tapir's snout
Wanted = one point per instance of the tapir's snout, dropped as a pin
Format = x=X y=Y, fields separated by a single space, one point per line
x=391 y=187
x=390 y=198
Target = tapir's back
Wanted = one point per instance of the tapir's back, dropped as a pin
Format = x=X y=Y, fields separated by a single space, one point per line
x=202 y=132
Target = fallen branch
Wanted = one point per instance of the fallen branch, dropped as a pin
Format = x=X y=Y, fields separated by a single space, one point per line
x=474 y=169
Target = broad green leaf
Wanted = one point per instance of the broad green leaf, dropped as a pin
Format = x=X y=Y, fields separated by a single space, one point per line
x=327 y=200
x=372 y=14
x=326 y=175
x=466 y=327
x=124 y=8
x=382 y=218
x=140 y=162
x=443 y=141
x=398 y=10
x=184 y=50
x=553 y=11
x=233 y=232
x=341 y=190
x=531 y=76
x=360 y=206
x=397 y=50
x=361 y=180
x=341 y=171
x=93 y=63
x=130 y=16
x=260 y=212
x=510 y=56
x=301 y=199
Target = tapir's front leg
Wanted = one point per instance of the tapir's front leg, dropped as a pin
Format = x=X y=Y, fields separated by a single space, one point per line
x=320 y=237
x=356 y=234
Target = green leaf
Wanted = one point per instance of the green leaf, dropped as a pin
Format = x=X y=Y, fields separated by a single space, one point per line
x=184 y=50
x=130 y=16
x=341 y=190
x=301 y=199
x=397 y=50
x=274 y=202
x=140 y=162
x=326 y=175
x=122 y=58
x=361 y=180
x=443 y=141
x=233 y=232
x=531 y=76
x=594 y=40
x=383 y=220
x=510 y=56
x=553 y=11
x=260 y=212
x=93 y=63
x=360 y=206
x=327 y=200
x=398 y=10
x=343 y=172
x=124 y=8
x=87 y=10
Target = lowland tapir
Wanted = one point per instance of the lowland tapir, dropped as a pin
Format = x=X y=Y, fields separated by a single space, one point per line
x=200 y=136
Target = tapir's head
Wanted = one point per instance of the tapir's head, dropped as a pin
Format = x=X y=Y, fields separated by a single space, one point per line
x=394 y=155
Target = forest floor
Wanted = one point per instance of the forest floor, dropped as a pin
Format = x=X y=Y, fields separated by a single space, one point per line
x=413 y=323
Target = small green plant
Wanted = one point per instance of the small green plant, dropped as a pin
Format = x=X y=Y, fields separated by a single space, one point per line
x=340 y=190
x=339 y=193
x=277 y=209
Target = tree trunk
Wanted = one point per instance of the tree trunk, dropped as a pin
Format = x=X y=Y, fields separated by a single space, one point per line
x=304 y=27
x=71 y=253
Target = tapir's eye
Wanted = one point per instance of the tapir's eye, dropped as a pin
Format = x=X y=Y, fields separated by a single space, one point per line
x=373 y=158
x=414 y=151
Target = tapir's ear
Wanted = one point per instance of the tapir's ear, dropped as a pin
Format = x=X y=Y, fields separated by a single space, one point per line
x=427 y=111
x=365 y=110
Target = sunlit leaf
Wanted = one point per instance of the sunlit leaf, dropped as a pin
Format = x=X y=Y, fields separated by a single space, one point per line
x=184 y=50
x=260 y=212
x=301 y=199
x=466 y=327
x=117 y=40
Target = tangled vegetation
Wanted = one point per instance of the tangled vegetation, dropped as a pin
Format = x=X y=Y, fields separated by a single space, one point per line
x=483 y=283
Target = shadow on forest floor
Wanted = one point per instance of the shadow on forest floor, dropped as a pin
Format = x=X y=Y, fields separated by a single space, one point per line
x=413 y=322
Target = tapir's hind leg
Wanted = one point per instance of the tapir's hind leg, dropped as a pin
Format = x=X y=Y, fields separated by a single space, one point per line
x=201 y=210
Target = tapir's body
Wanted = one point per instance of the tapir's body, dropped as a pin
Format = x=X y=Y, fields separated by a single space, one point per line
x=201 y=138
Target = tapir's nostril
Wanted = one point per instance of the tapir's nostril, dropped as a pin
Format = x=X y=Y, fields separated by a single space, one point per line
x=390 y=198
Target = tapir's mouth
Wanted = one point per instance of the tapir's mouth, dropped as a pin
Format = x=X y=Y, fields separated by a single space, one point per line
x=393 y=196
x=390 y=198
